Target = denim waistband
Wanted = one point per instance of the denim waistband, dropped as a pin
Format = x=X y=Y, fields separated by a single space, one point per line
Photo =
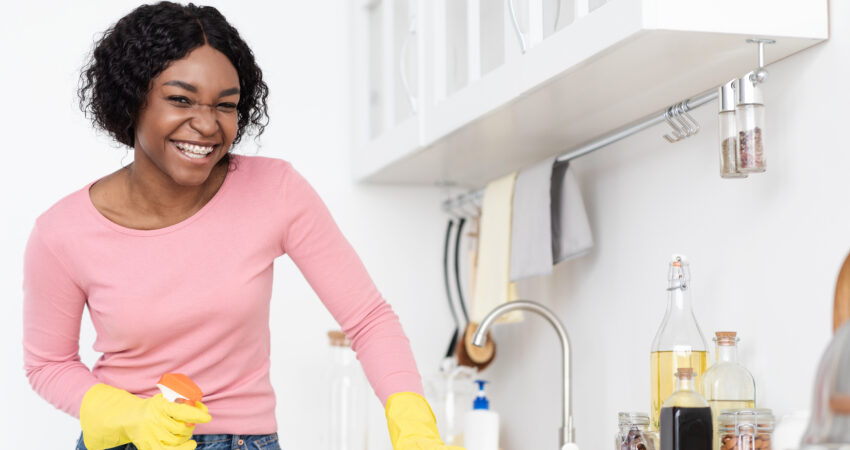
x=218 y=442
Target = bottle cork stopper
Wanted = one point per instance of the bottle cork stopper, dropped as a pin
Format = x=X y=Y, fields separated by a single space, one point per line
x=338 y=339
x=726 y=337
x=685 y=373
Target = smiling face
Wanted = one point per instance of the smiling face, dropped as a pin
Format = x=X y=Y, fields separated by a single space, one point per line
x=190 y=117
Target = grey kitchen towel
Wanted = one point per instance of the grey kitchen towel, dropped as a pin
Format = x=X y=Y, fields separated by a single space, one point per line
x=531 y=230
x=571 y=235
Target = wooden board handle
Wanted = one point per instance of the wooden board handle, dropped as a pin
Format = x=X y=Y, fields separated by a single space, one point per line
x=841 y=309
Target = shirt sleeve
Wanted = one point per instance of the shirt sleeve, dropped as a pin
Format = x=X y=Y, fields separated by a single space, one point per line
x=53 y=308
x=335 y=272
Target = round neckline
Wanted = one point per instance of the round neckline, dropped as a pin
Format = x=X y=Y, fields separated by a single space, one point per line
x=165 y=230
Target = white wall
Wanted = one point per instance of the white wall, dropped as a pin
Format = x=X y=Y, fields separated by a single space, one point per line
x=51 y=150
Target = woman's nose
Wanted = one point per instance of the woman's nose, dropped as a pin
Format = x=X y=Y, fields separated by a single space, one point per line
x=204 y=120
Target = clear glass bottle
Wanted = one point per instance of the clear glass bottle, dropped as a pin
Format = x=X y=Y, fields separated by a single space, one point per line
x=679 y=343
x=634 y=432
x=746 y=429
x=727 y=384
x=829 y=426
x=685 y=417
x=728 y=131
x=348 y=412
x=749 y=115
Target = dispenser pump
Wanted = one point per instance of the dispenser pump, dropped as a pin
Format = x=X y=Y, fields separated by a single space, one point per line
x=481 y=401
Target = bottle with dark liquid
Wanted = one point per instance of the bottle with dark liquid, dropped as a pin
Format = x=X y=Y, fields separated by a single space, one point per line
x=685 y=417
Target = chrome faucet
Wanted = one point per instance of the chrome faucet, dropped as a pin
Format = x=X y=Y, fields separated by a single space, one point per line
x=480 y=336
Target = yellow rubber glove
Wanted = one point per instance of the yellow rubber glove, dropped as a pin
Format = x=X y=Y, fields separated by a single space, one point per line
x=412 y=424
x=111 y=417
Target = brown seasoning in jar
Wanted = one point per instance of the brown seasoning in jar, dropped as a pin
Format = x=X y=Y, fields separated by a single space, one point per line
x=751 y=148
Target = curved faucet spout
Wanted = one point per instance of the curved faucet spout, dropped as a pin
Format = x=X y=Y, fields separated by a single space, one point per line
x=480 y=336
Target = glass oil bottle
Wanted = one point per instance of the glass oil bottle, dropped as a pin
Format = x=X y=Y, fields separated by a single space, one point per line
x=679 y=343
x=727 y=384
x=685 y=417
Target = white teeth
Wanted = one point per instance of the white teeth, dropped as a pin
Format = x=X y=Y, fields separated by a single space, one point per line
x=191 y=148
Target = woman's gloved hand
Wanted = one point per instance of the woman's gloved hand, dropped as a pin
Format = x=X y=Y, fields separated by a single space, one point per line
x=412 y=424
x=111 y=417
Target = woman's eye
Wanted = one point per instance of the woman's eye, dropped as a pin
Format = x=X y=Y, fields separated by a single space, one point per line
x=179 y=99
x=227 y=106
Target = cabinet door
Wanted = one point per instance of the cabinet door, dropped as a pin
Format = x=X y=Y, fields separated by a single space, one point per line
x=387 y=47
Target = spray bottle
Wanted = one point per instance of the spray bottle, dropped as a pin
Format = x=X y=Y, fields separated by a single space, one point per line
x=179 y=388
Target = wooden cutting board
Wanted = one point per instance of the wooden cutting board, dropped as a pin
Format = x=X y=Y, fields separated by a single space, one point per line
x=841 y=309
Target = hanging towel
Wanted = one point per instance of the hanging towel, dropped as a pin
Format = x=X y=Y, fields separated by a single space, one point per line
x=492 y=278
x=571 y=235
x=531 y=232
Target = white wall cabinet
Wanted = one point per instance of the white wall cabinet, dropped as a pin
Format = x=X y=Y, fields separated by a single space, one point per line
x=446 y=91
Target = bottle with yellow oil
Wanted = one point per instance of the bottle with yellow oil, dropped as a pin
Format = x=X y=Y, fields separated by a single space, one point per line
x=727 y=384
x=679 y=343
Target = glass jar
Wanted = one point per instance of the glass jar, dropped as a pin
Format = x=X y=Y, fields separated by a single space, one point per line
x=728 y=131
x=749 y=115
x=635 y=433
x=347 y=397
x=829 y=426
x=746 y=429
x=679 y=342
x=451 y=392
x=727 y=384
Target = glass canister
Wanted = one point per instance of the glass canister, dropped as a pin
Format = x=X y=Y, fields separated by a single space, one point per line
x=749 y=116
x=679 y=342
x=347 y=397
x=746 y=429
x=635 y=433
x=728 y=131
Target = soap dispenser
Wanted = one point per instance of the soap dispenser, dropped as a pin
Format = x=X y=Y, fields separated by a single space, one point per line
x=481 y=428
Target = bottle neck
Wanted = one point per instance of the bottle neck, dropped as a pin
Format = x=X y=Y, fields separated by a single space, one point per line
x=685 y=384
x=727 y=353
x=679 y=302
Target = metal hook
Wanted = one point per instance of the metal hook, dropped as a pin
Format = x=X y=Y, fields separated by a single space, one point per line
x=690 y=118
x=678 y=133
x=679 y=112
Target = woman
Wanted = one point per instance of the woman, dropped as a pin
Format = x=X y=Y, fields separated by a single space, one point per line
x=174 y=254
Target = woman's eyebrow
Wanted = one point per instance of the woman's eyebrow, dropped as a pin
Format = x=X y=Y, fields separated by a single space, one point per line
x=192 y=88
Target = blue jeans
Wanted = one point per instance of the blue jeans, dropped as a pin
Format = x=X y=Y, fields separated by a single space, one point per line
x=218 y=442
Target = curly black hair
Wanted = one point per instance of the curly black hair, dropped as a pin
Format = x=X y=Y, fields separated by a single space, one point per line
x=116 y=79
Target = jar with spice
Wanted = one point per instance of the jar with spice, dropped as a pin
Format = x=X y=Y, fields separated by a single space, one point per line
x=746 y=429
x=728 y=131
x=749 y=115
x=634 y=432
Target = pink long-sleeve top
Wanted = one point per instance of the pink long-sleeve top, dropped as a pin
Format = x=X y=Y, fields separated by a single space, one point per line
x=194 y=297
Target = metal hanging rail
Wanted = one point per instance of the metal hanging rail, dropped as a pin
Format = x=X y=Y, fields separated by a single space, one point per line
x=676 y=116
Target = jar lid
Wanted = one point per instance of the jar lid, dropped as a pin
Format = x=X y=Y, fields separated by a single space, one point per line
x=749 y=91
x=633 y=418
x=338 y=339
x=761 y=418
x=727 y=97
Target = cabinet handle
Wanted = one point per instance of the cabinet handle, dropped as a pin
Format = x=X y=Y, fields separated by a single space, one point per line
x=523 y=46
x=402 y=70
